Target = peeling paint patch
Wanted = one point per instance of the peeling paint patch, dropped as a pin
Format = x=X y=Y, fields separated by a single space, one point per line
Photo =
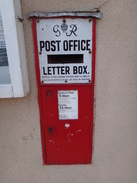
x=67 y=125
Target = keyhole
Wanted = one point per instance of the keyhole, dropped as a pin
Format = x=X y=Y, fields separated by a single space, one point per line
x=50 y=130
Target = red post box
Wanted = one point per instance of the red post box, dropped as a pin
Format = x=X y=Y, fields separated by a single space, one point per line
x=64 y=45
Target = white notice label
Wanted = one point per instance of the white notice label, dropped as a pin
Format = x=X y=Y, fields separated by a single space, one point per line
x=68 y=104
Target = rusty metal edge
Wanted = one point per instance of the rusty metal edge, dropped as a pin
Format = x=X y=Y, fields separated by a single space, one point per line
x=91 y=14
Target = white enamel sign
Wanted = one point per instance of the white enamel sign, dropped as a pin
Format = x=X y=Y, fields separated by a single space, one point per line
x=65 y=50
x=68 y=104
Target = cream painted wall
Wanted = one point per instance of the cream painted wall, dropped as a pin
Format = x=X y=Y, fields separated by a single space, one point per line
x=115 y=133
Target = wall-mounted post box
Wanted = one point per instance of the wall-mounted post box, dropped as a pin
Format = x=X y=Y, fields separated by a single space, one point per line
x=64 y=46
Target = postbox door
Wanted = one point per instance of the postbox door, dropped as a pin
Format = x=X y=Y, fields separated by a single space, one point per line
x=67 y=141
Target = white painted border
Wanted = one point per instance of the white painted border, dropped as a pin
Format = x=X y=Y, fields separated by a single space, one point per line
x=14 y=37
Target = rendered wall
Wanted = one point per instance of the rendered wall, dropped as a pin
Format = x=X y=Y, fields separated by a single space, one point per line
x=115 y=133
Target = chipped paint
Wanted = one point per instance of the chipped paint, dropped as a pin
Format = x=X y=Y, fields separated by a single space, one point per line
x=68 y=137
x=85 y=117
x=67 y=125
x=51 y=114
x=78 y=131
x=52 y=141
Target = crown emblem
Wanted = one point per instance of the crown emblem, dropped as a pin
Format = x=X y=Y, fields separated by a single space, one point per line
x=64 y=27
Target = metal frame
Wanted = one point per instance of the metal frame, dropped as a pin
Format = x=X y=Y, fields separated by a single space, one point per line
x=85 y=14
